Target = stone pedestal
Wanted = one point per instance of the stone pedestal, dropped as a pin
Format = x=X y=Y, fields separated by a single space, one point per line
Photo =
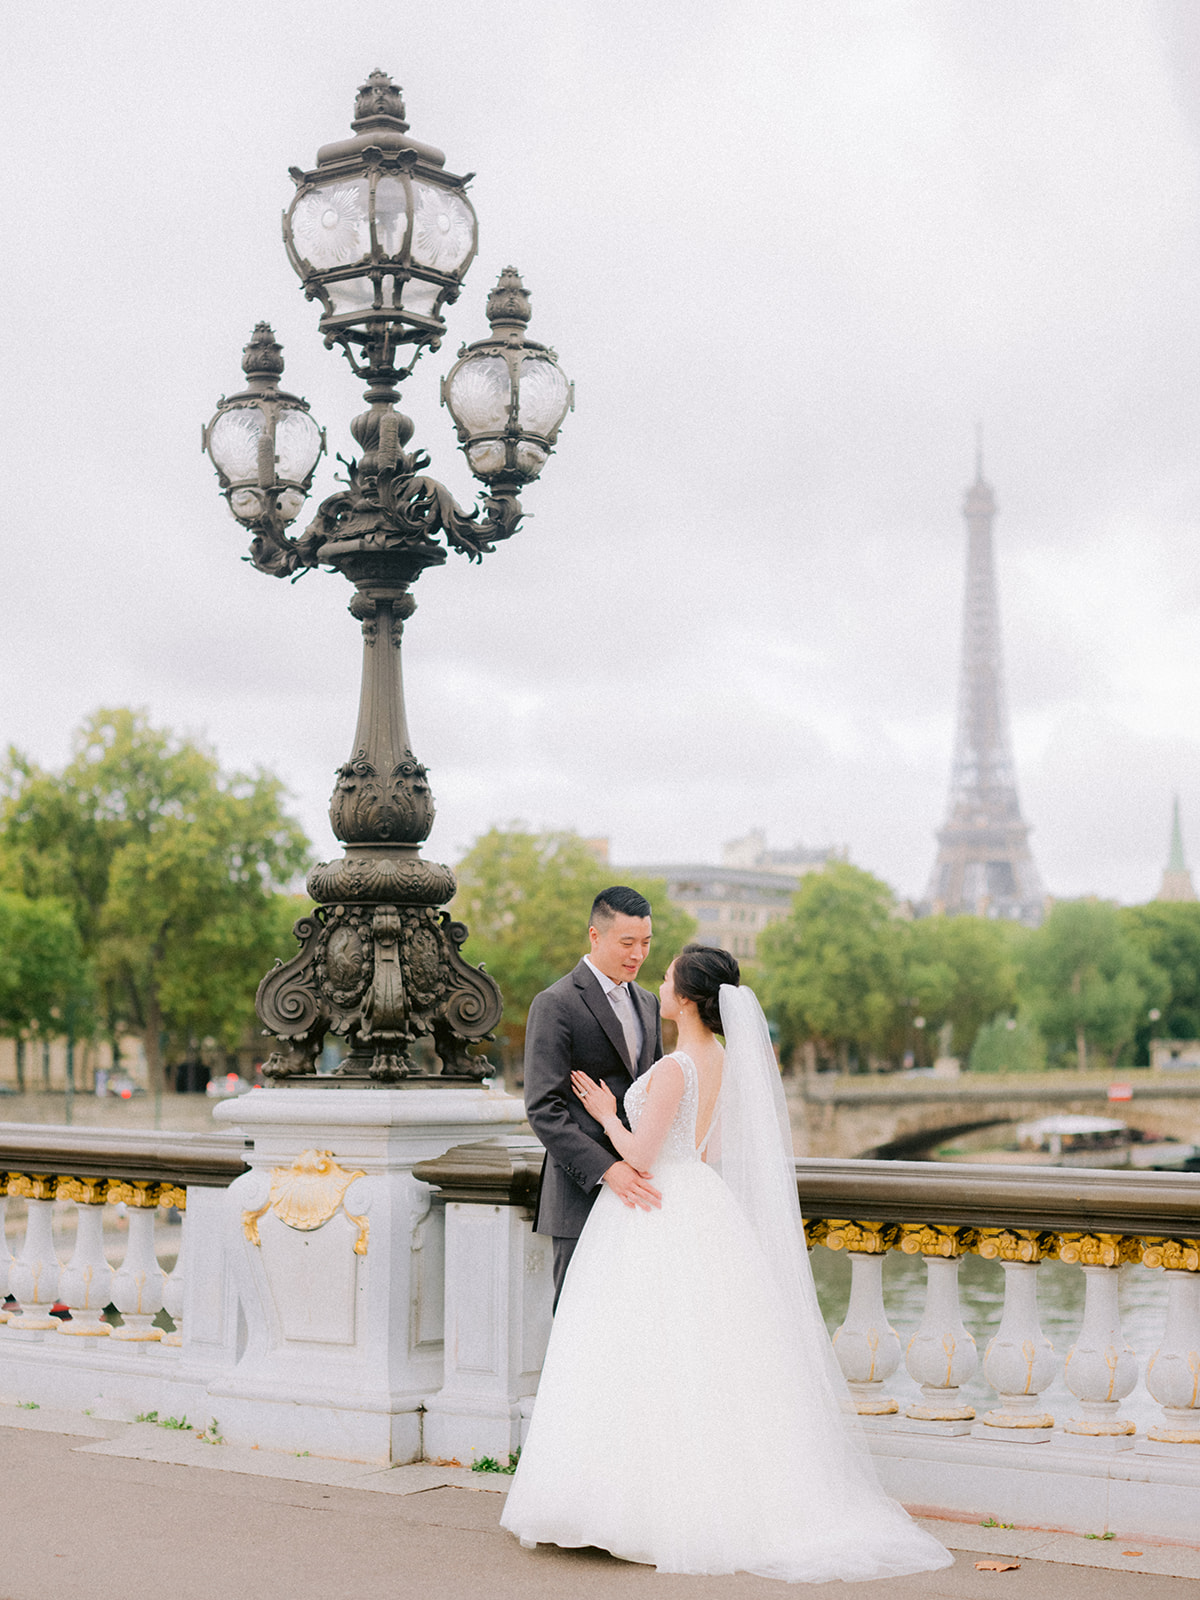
x=338 y=1260
x=499 y=1294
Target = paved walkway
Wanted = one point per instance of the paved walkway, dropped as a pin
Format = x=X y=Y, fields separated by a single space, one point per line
x=139 y=1510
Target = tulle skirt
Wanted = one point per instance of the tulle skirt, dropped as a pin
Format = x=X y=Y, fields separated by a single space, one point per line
x=679 y=1424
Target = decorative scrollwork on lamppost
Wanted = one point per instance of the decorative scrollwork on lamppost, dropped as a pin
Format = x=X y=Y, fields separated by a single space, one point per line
x=382 y=235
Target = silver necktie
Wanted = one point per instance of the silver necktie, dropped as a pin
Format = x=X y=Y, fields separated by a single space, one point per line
x=622 y=1004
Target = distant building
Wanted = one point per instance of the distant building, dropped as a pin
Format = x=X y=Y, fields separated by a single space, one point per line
x=1175 y=1055
x=734 y=902
x=1176 y=880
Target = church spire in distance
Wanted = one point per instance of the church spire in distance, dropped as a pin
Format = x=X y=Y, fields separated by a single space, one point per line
x=1177 y=880
x=983 y=866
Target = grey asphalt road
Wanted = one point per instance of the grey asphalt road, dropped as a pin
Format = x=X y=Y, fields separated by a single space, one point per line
x=74 y=1522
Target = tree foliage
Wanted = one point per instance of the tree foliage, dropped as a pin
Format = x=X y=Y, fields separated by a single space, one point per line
x=961 y=971
x=1008 y=1044
x=1169 y=934
x=832 y=970
x=525 y=897
x=170 y=870
x=43 y=978
x=1087 y=984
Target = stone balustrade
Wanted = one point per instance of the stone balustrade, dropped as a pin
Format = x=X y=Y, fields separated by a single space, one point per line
x=79 y=1355
x=361 y=1279
x=1085 y=1470
x=1018 y=1217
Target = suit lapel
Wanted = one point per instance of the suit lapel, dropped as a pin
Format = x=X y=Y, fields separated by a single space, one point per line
x=645 y=1010
x=599 y=1005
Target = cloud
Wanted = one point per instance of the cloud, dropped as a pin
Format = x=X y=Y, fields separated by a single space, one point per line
x=789 y=254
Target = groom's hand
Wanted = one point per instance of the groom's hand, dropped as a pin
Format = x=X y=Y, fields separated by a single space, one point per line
x=632 y=1187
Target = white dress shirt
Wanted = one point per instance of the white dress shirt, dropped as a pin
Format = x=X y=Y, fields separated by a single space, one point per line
x=621 y=1001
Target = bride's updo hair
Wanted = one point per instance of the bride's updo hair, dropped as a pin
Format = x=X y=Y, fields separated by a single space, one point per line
x=700 y=970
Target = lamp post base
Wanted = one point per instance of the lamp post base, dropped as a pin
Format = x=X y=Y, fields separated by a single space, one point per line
x=338 y=1261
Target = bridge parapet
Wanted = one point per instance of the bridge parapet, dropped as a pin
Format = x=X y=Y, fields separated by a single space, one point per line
x=1089 y=1468
x=1020 y=1218
x=891 y=1116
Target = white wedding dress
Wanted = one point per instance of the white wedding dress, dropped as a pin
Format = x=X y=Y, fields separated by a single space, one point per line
x=682 y=1419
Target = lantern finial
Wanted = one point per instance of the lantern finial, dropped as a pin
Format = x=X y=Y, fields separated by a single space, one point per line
x=379 y=104
x=262 y=358
x=508 y=305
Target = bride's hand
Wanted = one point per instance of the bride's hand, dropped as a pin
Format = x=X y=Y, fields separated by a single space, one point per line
x=598 y=1099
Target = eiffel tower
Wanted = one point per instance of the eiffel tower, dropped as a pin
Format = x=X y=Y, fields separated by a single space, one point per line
x=984 y=866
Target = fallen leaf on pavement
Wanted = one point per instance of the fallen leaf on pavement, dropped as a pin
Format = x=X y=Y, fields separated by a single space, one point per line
x=997 y=1566
x=1133 y=1552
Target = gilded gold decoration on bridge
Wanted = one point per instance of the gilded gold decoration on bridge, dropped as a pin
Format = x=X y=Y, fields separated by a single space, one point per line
x=1098 y=1249
x=1017 y=1244
x=364 y=1233
x=35 y=1186
x=1174 y=1435
x=250 y=1223
x=948 y=1413
x=84 y=1191
x=1018 y=1419
x=1175 y=1255
x=925 y=1239
x=861 y=1238
x=141 y=1195
x=305 y=1195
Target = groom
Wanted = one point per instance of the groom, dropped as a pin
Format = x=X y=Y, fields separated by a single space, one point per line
x=595 y=1020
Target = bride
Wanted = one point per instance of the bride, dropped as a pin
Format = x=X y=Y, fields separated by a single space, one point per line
x=691 y=1414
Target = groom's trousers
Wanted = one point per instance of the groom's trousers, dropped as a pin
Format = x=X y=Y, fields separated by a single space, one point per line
x=563 y=1251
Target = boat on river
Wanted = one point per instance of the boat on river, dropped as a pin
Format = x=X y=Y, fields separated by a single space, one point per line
x=1079 y=1141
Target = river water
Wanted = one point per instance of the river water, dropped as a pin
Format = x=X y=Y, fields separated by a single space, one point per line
x=1143 y=1298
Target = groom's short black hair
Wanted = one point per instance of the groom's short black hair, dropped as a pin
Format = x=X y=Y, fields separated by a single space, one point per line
x=617 y=900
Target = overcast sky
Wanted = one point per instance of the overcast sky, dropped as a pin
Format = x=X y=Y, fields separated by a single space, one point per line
x=789 y=251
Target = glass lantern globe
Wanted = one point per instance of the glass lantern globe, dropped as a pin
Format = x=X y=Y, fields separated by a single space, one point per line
x=264 y=444
x=378 y=231
x=507 y=395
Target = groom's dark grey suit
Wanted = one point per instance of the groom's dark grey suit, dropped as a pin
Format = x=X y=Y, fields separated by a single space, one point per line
x=573 y=1027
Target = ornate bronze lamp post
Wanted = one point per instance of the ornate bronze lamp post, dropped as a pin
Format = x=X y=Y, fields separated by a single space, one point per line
x=382 y=236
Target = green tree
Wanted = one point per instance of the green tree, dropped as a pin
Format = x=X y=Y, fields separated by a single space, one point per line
x=961 y=971
x=1008 y=1044
x=525 y=897
x=1086 y=983
x=170 y=868
x=832 y=970
x=43 y=977
x=1169 y=933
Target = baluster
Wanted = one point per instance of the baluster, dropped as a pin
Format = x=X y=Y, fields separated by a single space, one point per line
x=173 y=1287
x=941 y=1355
x=138 y=1281
x=1173 y=1372
x=86 y=1281
x=6 y=1254
x=1101 y=1368
x=866 y=1345
x=33 y=1275
x=1019 y=1360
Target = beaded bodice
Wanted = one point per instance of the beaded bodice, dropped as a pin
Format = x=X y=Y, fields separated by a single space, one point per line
x=680 y=1142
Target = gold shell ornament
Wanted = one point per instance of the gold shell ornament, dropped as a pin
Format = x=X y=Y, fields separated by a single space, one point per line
x=305 y=1195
